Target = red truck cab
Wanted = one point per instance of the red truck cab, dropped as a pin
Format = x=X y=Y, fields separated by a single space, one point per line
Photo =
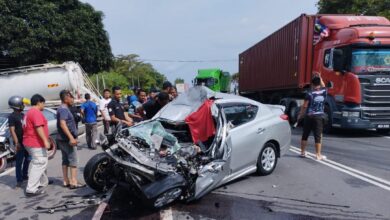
x=354 y=60
x=352 y=53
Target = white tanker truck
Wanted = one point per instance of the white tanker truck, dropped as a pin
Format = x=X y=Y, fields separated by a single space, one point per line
x=47 y=80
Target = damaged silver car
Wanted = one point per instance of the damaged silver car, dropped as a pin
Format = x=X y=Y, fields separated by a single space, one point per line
x=196 y=143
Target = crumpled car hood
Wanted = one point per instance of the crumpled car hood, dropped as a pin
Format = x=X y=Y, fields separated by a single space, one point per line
x=185 y=104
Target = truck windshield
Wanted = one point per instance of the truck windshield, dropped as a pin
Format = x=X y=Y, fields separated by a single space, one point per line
x=209 y=82
x=370 y=60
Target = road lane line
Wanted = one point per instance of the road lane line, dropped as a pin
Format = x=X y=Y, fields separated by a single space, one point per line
x=166 y=214
x=383 y=181
x=10 y=170
x=345 y=171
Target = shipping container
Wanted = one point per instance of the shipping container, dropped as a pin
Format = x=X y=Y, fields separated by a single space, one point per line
x=280 y=61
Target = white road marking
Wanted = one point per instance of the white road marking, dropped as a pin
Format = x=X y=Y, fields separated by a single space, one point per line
x=351 y=169
x=10 y=170
x=345 y=169
x=166 y=214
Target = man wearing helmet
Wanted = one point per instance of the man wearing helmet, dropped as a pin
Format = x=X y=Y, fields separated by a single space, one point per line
x=15 y=126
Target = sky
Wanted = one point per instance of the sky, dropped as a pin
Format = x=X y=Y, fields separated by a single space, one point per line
x=194 y=30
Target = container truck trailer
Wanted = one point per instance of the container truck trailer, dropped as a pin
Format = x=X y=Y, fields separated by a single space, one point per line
x=352 y=54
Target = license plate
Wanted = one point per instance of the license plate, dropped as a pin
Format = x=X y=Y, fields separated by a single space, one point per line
x=383 y=126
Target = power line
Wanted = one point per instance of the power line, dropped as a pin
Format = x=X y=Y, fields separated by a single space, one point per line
x=189 y=61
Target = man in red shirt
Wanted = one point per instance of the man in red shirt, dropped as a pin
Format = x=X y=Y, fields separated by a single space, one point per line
x=36 y=142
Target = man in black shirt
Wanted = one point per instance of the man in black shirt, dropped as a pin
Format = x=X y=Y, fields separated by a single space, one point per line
x=15 y=126
x=150 y=108
x=116 y=110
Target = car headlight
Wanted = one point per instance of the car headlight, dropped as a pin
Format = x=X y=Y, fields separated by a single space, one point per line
x=351 y=114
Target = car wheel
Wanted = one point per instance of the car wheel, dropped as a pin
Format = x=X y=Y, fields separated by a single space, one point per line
x=167 y=197
x=51 y=152
x=3 y=164
x=97 y=172
x=267 y=160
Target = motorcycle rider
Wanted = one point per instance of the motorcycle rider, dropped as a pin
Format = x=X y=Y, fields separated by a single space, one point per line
x=15 y=126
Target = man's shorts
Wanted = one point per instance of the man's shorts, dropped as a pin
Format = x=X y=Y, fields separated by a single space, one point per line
x=69 y=154
x=313 y=123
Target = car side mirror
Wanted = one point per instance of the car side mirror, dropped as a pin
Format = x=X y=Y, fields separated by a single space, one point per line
x=338 y=60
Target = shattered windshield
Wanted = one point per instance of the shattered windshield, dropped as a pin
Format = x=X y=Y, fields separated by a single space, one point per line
x=155 y=136
x=370 y=60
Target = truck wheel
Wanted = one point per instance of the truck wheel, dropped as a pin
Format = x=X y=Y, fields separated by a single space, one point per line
x=167 y=197
x=267 y=160
x=53 y=149
x=383 y=131
x=293 y=113
x=3 y=164
x=97 y=172
x=328 y=121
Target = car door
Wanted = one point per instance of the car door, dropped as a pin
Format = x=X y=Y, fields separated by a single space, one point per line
x=211 y=175
x=243 y=135
x=51 y=121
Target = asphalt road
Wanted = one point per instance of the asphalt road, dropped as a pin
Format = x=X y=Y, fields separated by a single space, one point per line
x=354 y=183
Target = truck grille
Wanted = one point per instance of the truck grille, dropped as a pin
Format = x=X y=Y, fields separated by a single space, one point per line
x=375 y=102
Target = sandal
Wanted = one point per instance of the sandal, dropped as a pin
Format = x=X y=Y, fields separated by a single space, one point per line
x=77 y=186
x=323 y=157
x=303 y=155
x=66 y=185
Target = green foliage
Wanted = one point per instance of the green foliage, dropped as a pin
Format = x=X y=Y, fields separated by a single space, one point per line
x=128 y=71
x=360 y=7
x=42 y=31
x=179 y=80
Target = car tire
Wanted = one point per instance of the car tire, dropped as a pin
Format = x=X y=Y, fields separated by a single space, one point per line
x=97 y=172
x=167 y=197
x=267 y=159
x=53 y=149
x=3 y=164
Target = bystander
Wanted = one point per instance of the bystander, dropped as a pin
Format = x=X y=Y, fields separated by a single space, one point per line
x=36 y=141
x=89 y=111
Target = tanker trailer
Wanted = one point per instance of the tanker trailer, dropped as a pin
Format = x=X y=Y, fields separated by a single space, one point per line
x=48 y=80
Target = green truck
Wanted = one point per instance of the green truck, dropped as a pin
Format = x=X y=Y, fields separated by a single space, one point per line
x=215 y=79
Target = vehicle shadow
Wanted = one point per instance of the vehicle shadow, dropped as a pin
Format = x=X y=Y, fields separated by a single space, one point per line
x=345 y=133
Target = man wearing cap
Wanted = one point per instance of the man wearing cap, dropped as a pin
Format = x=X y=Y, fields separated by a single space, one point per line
x=15 y=126
x=67 y=140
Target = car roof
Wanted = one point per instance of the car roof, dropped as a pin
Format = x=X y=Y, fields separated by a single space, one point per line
x=188 y=102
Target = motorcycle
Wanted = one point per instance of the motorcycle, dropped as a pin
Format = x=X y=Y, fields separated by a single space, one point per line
x=8 y=149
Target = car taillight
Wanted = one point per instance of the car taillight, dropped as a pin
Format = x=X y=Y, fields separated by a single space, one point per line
x=284 y=117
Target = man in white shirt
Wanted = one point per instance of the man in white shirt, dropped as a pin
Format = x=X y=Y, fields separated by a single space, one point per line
x=104 y=111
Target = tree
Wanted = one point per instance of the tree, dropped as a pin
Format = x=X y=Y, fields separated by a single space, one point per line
x=128 y=71
x=360 y=7
x=42 y=31
x=179 y=80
